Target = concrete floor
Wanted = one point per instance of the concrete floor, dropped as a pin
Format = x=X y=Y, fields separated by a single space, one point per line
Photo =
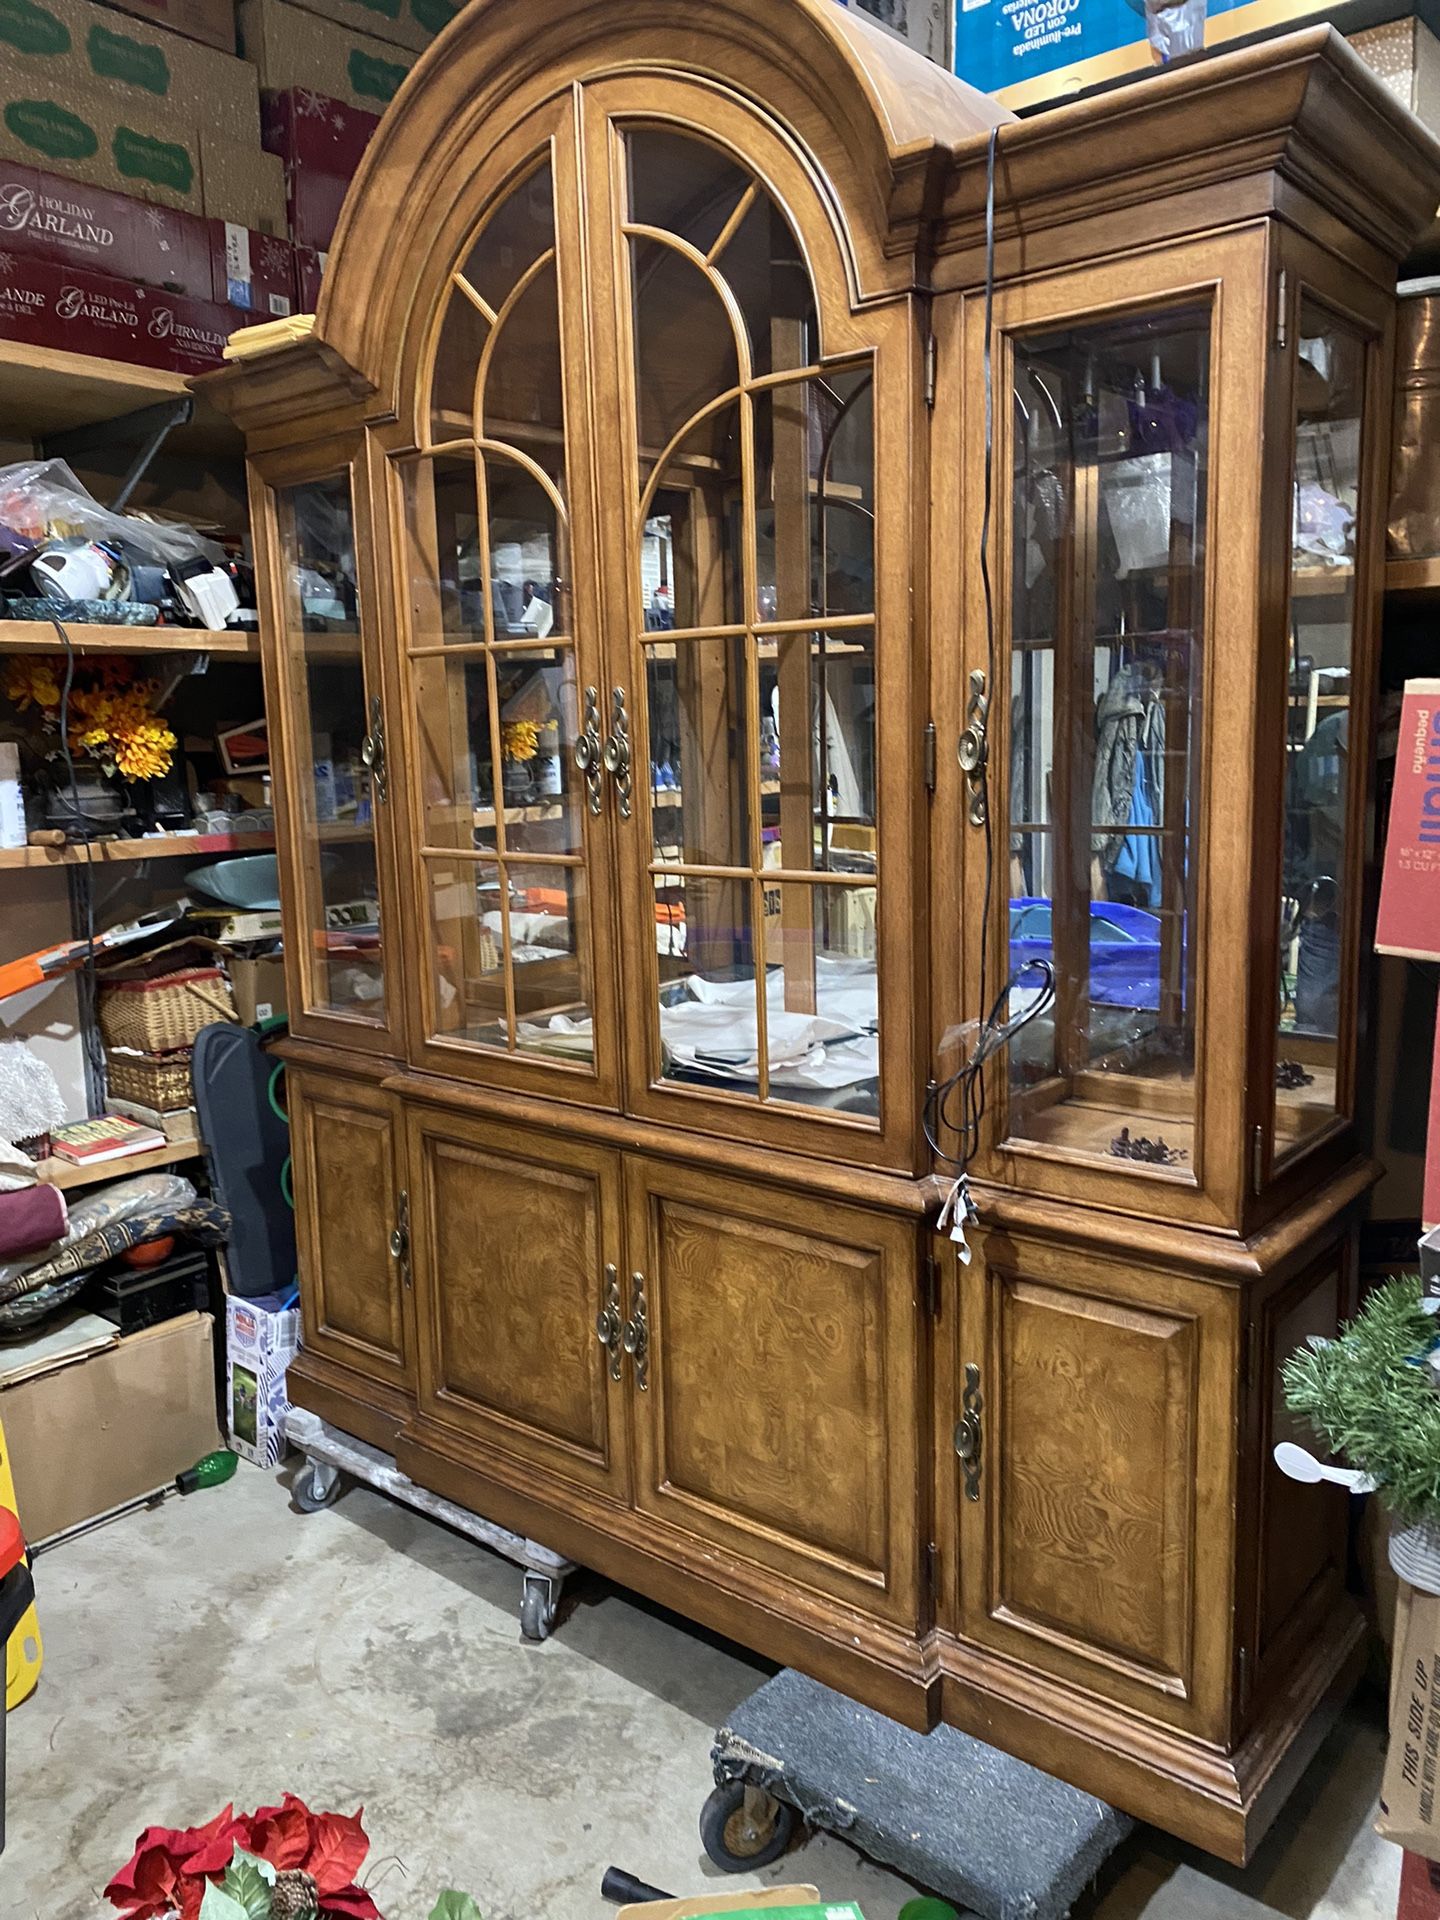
x=224 y=1647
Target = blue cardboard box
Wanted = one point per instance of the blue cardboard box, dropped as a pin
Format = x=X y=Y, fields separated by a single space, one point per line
x=1001 y=43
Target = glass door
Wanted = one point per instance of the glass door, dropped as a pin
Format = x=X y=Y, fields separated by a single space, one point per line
x=329 y=742
x=750 y=581
x=505 y=694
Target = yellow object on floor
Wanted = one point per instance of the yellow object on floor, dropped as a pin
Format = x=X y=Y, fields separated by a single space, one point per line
x=24 y=1653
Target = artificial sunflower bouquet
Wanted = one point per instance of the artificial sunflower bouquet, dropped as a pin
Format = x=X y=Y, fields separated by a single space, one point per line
x=113 y=714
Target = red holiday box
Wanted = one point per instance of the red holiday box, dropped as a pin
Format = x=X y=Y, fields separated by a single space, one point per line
x=254 y=271
x=309 y=268
x=321 y=142
x=45 y=305
x=74 y=226
x=1409 y=917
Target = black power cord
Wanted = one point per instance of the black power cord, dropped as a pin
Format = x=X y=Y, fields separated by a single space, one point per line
x=996 y=1032
x=88 y=994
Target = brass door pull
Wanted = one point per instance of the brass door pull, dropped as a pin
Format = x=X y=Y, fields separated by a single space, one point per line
x=970 y=1434
x=972 y=750
x=608 y=1325
x=617 y=750
x=400 y=1235
x=636 y=1336
x=589 y=756
x=372 y=748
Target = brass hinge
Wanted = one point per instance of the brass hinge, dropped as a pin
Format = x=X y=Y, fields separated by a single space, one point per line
x=932 y=1569
x=1282 y=309
x=930 y=1287
x=1257 y=1159
x=930 y=370
x=1250 y=1354
x=927 y=756
x=1242 y=1676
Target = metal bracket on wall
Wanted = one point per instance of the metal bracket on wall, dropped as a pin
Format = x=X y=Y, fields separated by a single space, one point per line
x=150 y=426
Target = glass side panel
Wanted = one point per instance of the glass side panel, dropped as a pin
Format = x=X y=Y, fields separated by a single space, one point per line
x=325 y=673
x=815 y=521
x=754 y=511
x=1107 y=565
x=1314 y=974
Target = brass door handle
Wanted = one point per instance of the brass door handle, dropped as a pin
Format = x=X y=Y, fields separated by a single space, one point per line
x=617 y=750
x=400 y=1235
x=972 y=749
x=636 y=1335
x=970 y=1433
x=588 y=752
x=372 y=748
x=608 y=1325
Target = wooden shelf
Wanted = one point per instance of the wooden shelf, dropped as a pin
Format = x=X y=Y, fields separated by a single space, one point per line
x=43 y=391
x=1420 y=578
x=61 y=1173
x=38 y=636
x=162 y=846
x=1314 y=582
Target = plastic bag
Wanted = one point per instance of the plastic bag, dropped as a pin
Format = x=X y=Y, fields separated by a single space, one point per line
x=43 y=500
x=1174 y=27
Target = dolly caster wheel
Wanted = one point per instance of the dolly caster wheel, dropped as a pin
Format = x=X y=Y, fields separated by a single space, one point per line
x=539 y=1598
x=315 y=1486
x=743 y=1828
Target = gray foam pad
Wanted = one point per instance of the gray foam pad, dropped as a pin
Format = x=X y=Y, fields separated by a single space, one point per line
x=955 y=1815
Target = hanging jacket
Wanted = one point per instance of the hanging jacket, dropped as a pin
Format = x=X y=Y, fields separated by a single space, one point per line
x=1129 y=721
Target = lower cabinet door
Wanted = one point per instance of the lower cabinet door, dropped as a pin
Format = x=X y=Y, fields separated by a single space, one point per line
x=1090 y=1482
x=348 y=1187
x=776 y=1400
x=517 y=1255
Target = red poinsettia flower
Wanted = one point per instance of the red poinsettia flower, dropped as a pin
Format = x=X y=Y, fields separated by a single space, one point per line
x=172 y=1863
x=330 y=1847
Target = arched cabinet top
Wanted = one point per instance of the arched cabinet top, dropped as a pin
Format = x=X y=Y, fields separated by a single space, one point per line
x=872 y=121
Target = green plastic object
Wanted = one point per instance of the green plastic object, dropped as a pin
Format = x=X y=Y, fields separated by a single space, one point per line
x=213 y=1471
x=928 y=1909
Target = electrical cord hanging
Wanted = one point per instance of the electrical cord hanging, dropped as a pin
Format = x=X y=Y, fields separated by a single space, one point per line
x=89 y=992
x=996 y=1033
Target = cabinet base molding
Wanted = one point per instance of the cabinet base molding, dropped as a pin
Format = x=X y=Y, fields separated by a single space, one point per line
x=849 y=1651
x=1223 y=1802
x=350 y=1401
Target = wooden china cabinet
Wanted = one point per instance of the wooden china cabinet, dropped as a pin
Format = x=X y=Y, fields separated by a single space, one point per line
x=621 y=525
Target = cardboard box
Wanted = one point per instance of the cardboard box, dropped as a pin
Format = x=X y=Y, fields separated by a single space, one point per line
x=45 y=305
x=82 y=227
x=292 y=48
x=1419 y=1889
x=243 y=184
x=92 y=1430
x=922 y=24
x=261 y=1341
x=211 y=22
x=73 y=224
x=1406 y=55
x=309 y=271
x=100 y=139
x=72 y=43
x=1412 y=1759
x=320 y=142
x=258 y=987
x=253 y=271
x=404 y=23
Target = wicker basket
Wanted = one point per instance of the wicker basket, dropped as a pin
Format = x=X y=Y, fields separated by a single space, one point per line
x=156 y=1016
x=160 y=1081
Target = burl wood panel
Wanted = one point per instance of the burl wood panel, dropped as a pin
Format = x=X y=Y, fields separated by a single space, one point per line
x=513 y=1276
x=346 y=1191
x=781 y=1417
x=1096 y=1470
